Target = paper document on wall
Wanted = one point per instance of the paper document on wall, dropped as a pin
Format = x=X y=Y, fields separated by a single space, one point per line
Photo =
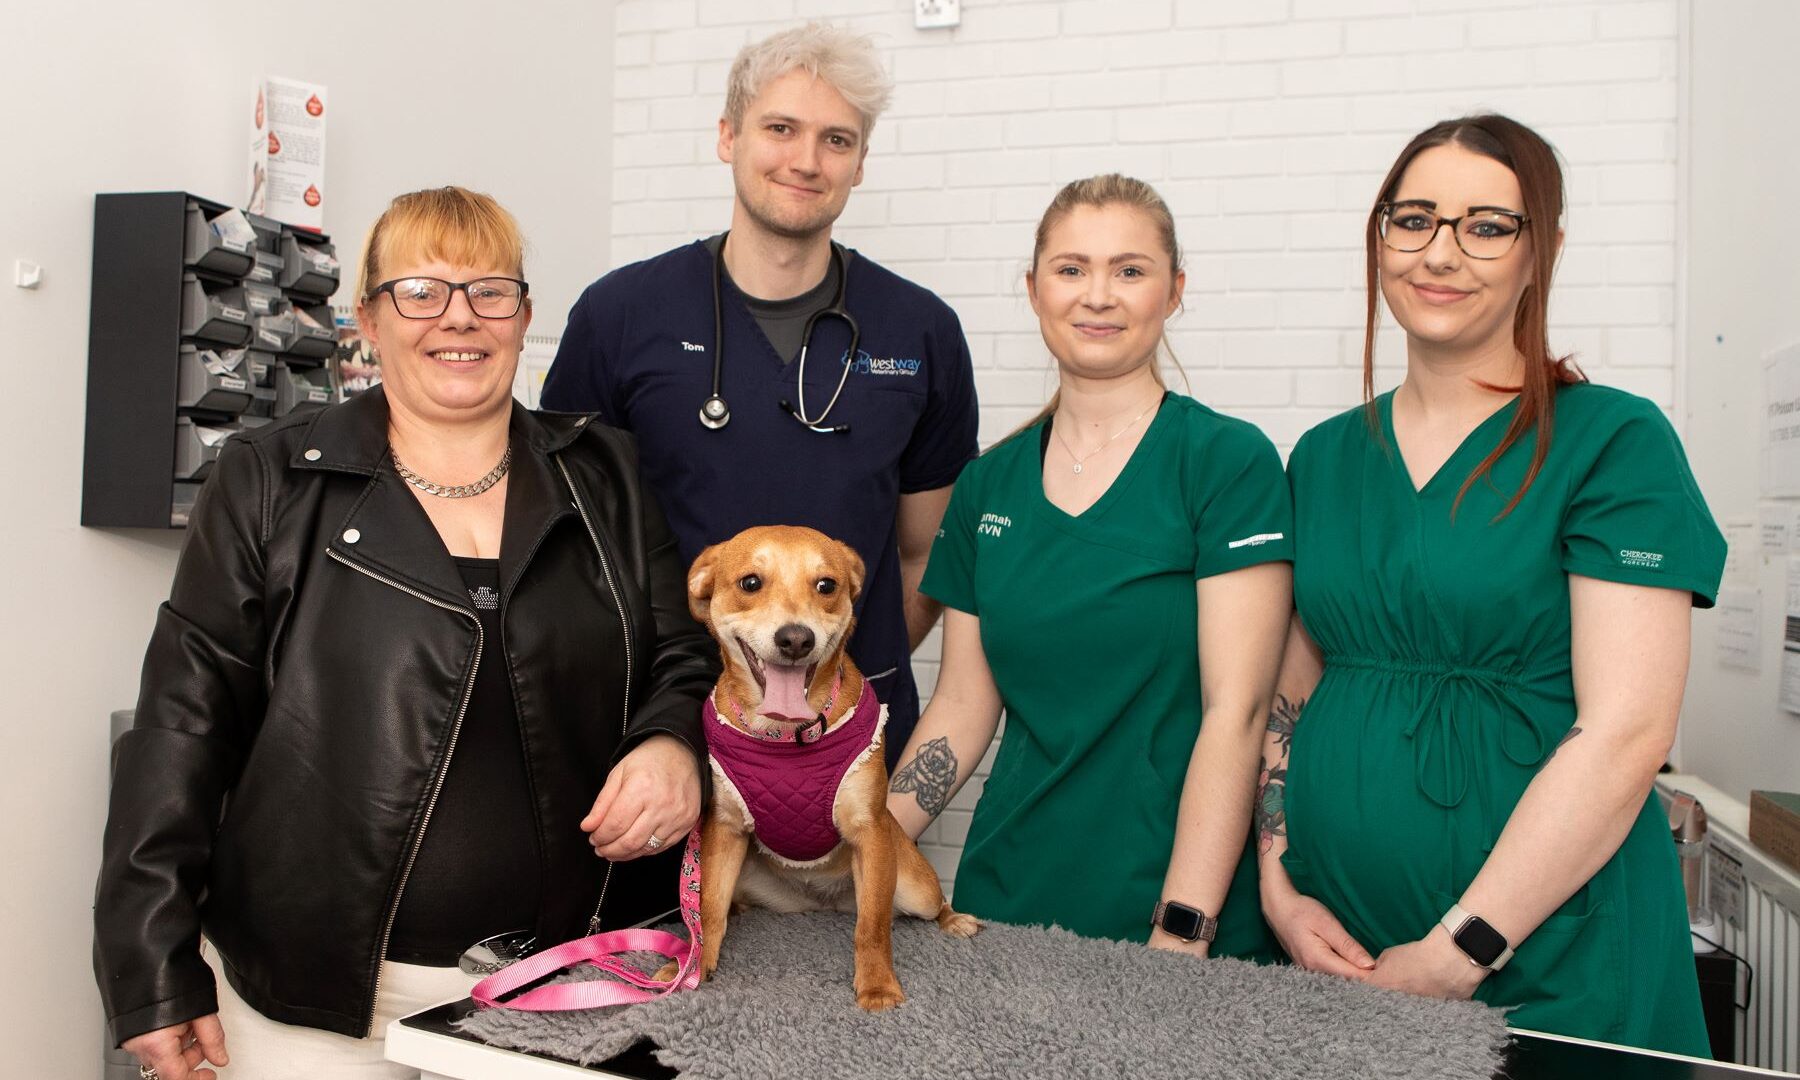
x=287 y=152
x=1738 y=629
x=354 y=365
x=1790 y=640
x=1777 y=520
x=1742 y=545
x=534 y=367
x=1781 y=422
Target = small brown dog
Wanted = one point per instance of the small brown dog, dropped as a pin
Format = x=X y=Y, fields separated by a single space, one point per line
x=799 y=818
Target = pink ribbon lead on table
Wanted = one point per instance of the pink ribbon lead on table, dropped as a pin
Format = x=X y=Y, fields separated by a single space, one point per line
x=603 y=951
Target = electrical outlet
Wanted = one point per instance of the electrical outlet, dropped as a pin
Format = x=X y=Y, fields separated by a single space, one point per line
x=931 y=14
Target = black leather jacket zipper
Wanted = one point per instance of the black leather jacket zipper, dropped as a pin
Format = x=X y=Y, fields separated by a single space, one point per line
x=437 y=782
x=625 y=626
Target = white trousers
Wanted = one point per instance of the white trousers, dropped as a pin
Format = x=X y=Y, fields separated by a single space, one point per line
x=262 y=1049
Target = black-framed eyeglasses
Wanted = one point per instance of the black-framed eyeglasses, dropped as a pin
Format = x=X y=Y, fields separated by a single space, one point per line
x=1484 y=232
x=429 y=297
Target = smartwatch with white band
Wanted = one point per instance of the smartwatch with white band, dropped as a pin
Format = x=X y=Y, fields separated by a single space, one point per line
x=1481 y=943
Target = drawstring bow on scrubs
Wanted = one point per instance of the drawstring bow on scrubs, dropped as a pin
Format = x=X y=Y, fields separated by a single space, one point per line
x=1444 y=747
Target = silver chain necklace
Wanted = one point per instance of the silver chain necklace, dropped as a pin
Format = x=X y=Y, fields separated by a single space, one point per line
x=457 y=491
x=1080 y=458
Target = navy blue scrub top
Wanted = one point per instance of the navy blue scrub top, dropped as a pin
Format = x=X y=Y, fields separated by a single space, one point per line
x=638 y=351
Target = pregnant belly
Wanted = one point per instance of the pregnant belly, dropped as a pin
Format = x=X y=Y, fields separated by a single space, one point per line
x=1363 y=837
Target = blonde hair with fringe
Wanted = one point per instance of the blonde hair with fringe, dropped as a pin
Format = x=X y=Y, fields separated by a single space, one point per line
x=447 y=224
x=846 y=61
x=1098 y=192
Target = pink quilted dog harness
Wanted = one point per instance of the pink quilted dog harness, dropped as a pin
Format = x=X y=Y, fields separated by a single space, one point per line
x=788 y=787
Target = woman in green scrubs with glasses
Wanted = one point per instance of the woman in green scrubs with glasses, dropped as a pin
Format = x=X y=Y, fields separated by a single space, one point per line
x=1494 y=570
x=1116 y=580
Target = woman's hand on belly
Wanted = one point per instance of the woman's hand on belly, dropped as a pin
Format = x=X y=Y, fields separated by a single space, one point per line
x=1309 y=933
x=653 y=791
x=1430 y=967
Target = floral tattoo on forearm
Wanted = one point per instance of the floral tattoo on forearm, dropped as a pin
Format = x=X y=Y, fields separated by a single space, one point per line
x=1270 y=811
x=929 y=776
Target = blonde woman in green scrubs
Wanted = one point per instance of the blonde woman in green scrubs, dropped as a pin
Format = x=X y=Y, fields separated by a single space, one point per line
x=1116 y=578
x=1495 y=568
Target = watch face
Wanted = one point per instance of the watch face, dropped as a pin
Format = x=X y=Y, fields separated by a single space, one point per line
x=1182 y=921
x=1481 y=942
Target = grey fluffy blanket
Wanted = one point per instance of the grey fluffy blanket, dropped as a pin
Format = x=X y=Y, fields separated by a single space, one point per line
x=1013 y=1001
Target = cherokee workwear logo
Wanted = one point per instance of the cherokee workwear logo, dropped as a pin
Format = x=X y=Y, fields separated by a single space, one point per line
x=1649 y=560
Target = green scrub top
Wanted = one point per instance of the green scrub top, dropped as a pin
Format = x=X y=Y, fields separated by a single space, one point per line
x=1447 y=683
x=1089 y=623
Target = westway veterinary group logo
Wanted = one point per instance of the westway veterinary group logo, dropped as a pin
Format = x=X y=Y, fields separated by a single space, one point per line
x=892 y=365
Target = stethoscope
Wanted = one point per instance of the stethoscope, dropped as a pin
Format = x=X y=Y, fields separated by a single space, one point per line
x=715 y=413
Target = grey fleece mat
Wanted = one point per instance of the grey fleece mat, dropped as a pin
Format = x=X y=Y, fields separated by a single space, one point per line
x=1012 y=1001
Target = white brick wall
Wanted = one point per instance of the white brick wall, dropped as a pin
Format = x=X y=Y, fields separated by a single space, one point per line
x=1266 y=126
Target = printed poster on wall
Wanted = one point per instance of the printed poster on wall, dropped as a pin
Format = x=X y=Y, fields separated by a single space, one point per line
x=287 y=153
x=354 y=365
x=1790 y=640
x=534 y=366
x=1737 y=629
x=1781 y=422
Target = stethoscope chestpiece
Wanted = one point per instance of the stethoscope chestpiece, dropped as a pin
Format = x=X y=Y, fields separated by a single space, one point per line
x=714 y=413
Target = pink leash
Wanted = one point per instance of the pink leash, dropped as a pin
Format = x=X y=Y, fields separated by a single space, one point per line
x=602 y=950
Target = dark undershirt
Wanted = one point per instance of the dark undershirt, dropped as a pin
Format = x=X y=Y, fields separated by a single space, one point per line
x=783 y=322
x=478 y=871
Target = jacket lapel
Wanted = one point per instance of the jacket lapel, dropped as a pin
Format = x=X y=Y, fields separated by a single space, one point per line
x=536 y=499
x=389 y=534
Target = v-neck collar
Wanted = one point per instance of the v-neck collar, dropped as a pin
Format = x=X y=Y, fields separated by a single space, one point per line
x=1475 y=438
x=741 y=300
x=1115 y=490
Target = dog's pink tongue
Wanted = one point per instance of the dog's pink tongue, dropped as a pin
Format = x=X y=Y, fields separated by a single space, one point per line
x=784 y=692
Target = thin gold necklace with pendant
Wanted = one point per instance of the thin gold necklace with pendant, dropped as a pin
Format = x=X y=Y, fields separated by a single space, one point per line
x=1080 y=458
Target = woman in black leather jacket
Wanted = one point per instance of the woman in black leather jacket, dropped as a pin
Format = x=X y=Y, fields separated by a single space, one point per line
x=426 y=654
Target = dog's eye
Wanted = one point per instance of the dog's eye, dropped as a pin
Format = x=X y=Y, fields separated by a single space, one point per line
x=749 y=583
x=827 y=586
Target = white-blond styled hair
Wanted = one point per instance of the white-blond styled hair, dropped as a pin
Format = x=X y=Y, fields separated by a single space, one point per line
x=846 y=61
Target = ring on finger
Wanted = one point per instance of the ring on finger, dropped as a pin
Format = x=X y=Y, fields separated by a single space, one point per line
x=148 y=1072
x=654 y=843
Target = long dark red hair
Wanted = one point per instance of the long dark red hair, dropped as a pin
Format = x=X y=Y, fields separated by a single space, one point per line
x=1533 y=161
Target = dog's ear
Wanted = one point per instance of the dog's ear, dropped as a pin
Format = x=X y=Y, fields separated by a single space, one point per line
x=700 y=585
x=853 y=566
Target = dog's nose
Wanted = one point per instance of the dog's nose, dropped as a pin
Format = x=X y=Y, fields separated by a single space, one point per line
x=794 y=641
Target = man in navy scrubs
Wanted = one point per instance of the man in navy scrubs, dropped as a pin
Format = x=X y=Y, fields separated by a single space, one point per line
x=862 y=447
